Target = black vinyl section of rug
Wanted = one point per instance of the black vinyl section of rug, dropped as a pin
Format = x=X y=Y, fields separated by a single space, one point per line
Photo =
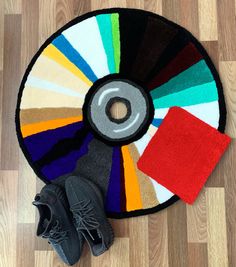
x=132 y=29
x=157 y=36
x=172 y=49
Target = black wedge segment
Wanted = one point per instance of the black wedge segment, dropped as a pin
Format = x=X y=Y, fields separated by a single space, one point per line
x=157 y=37
x=132 y=28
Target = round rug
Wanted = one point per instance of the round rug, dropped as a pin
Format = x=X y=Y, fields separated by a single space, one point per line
x=142 y=60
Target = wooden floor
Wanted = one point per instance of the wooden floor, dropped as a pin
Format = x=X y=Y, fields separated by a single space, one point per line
x=200 y=235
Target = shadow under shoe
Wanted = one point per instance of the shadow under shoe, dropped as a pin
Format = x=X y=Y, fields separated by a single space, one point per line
x=55 y=224
x=86 y=205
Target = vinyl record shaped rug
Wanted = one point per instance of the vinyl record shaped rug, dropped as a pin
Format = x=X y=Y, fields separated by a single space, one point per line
x=142 y=60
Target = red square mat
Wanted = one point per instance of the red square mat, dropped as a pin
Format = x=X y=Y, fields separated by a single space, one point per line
x=183 y=153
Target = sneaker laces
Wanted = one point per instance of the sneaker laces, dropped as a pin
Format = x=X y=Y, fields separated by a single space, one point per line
x=84 y=216
x=56 y=234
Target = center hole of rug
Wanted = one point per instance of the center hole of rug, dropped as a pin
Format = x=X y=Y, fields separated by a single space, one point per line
x=118 y=110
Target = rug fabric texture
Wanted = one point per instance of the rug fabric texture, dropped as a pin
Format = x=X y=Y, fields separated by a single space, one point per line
x=186 y=151
x=151 y=64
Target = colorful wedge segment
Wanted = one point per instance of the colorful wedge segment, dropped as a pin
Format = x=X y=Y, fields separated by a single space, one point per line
x=116 y=40
x=136 y=190
x=42 y=143
x=203 y=93
x=66 y=163
x=30 y=129
x=63 y=45
x=195 y=75
x=114 y=193
x=53 y=53
x=109 y=30
x=187 y=57
x=133 y=44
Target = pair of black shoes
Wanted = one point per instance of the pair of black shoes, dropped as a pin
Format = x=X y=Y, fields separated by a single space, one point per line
x=68 y=218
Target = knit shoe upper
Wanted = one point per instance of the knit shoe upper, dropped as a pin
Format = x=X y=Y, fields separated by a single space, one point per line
x=86 y=205
x=55 y=224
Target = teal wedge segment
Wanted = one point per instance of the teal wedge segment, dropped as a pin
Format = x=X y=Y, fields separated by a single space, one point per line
x=197 y=74
x=203 y=93
x=105 y=27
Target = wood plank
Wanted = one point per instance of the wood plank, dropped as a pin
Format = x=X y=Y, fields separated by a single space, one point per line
x=230 y=201
x=86 y=257
x=51 y=259
x=1 y=33
x=81 y=7
x=228 y=74
x=217 y=178
x=1 y=92
x=11 y=80
x=173 y=237
x=12 y=6
x=177 y=235
x=25 y=244
x=43 y=258
x=216 y=223
x=197 y=255
x=138 y=230
x=29 y=40
x=158 y=239
x=153 y=6
x=64 y=12
x=57 y=261
x=196 y=220
x=47 y=19
x=116 y=256
x=29 y=46
x=207 y=10
x=226 y=29
x=117 y=3
x=213 y=51
x=120 y=227
x=139 y=4
x=8 y=218
x=100 y=4
x=26 y=192
x=84 y=261
x=183 y=12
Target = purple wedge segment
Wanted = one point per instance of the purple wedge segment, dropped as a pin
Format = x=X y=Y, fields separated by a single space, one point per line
x=113 y=200
x=39 y=144
x=66 y=164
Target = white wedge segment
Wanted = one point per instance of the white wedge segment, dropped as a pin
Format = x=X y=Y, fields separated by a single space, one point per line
x=86 y=39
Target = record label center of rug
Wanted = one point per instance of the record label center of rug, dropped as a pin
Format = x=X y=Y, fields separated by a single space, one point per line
x=136 y=101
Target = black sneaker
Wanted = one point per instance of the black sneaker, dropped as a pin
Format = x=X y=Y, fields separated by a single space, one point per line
x=56 y=224
x=86 y=205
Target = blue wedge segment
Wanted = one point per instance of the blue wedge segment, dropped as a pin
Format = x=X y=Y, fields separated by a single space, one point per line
x=62 y=44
